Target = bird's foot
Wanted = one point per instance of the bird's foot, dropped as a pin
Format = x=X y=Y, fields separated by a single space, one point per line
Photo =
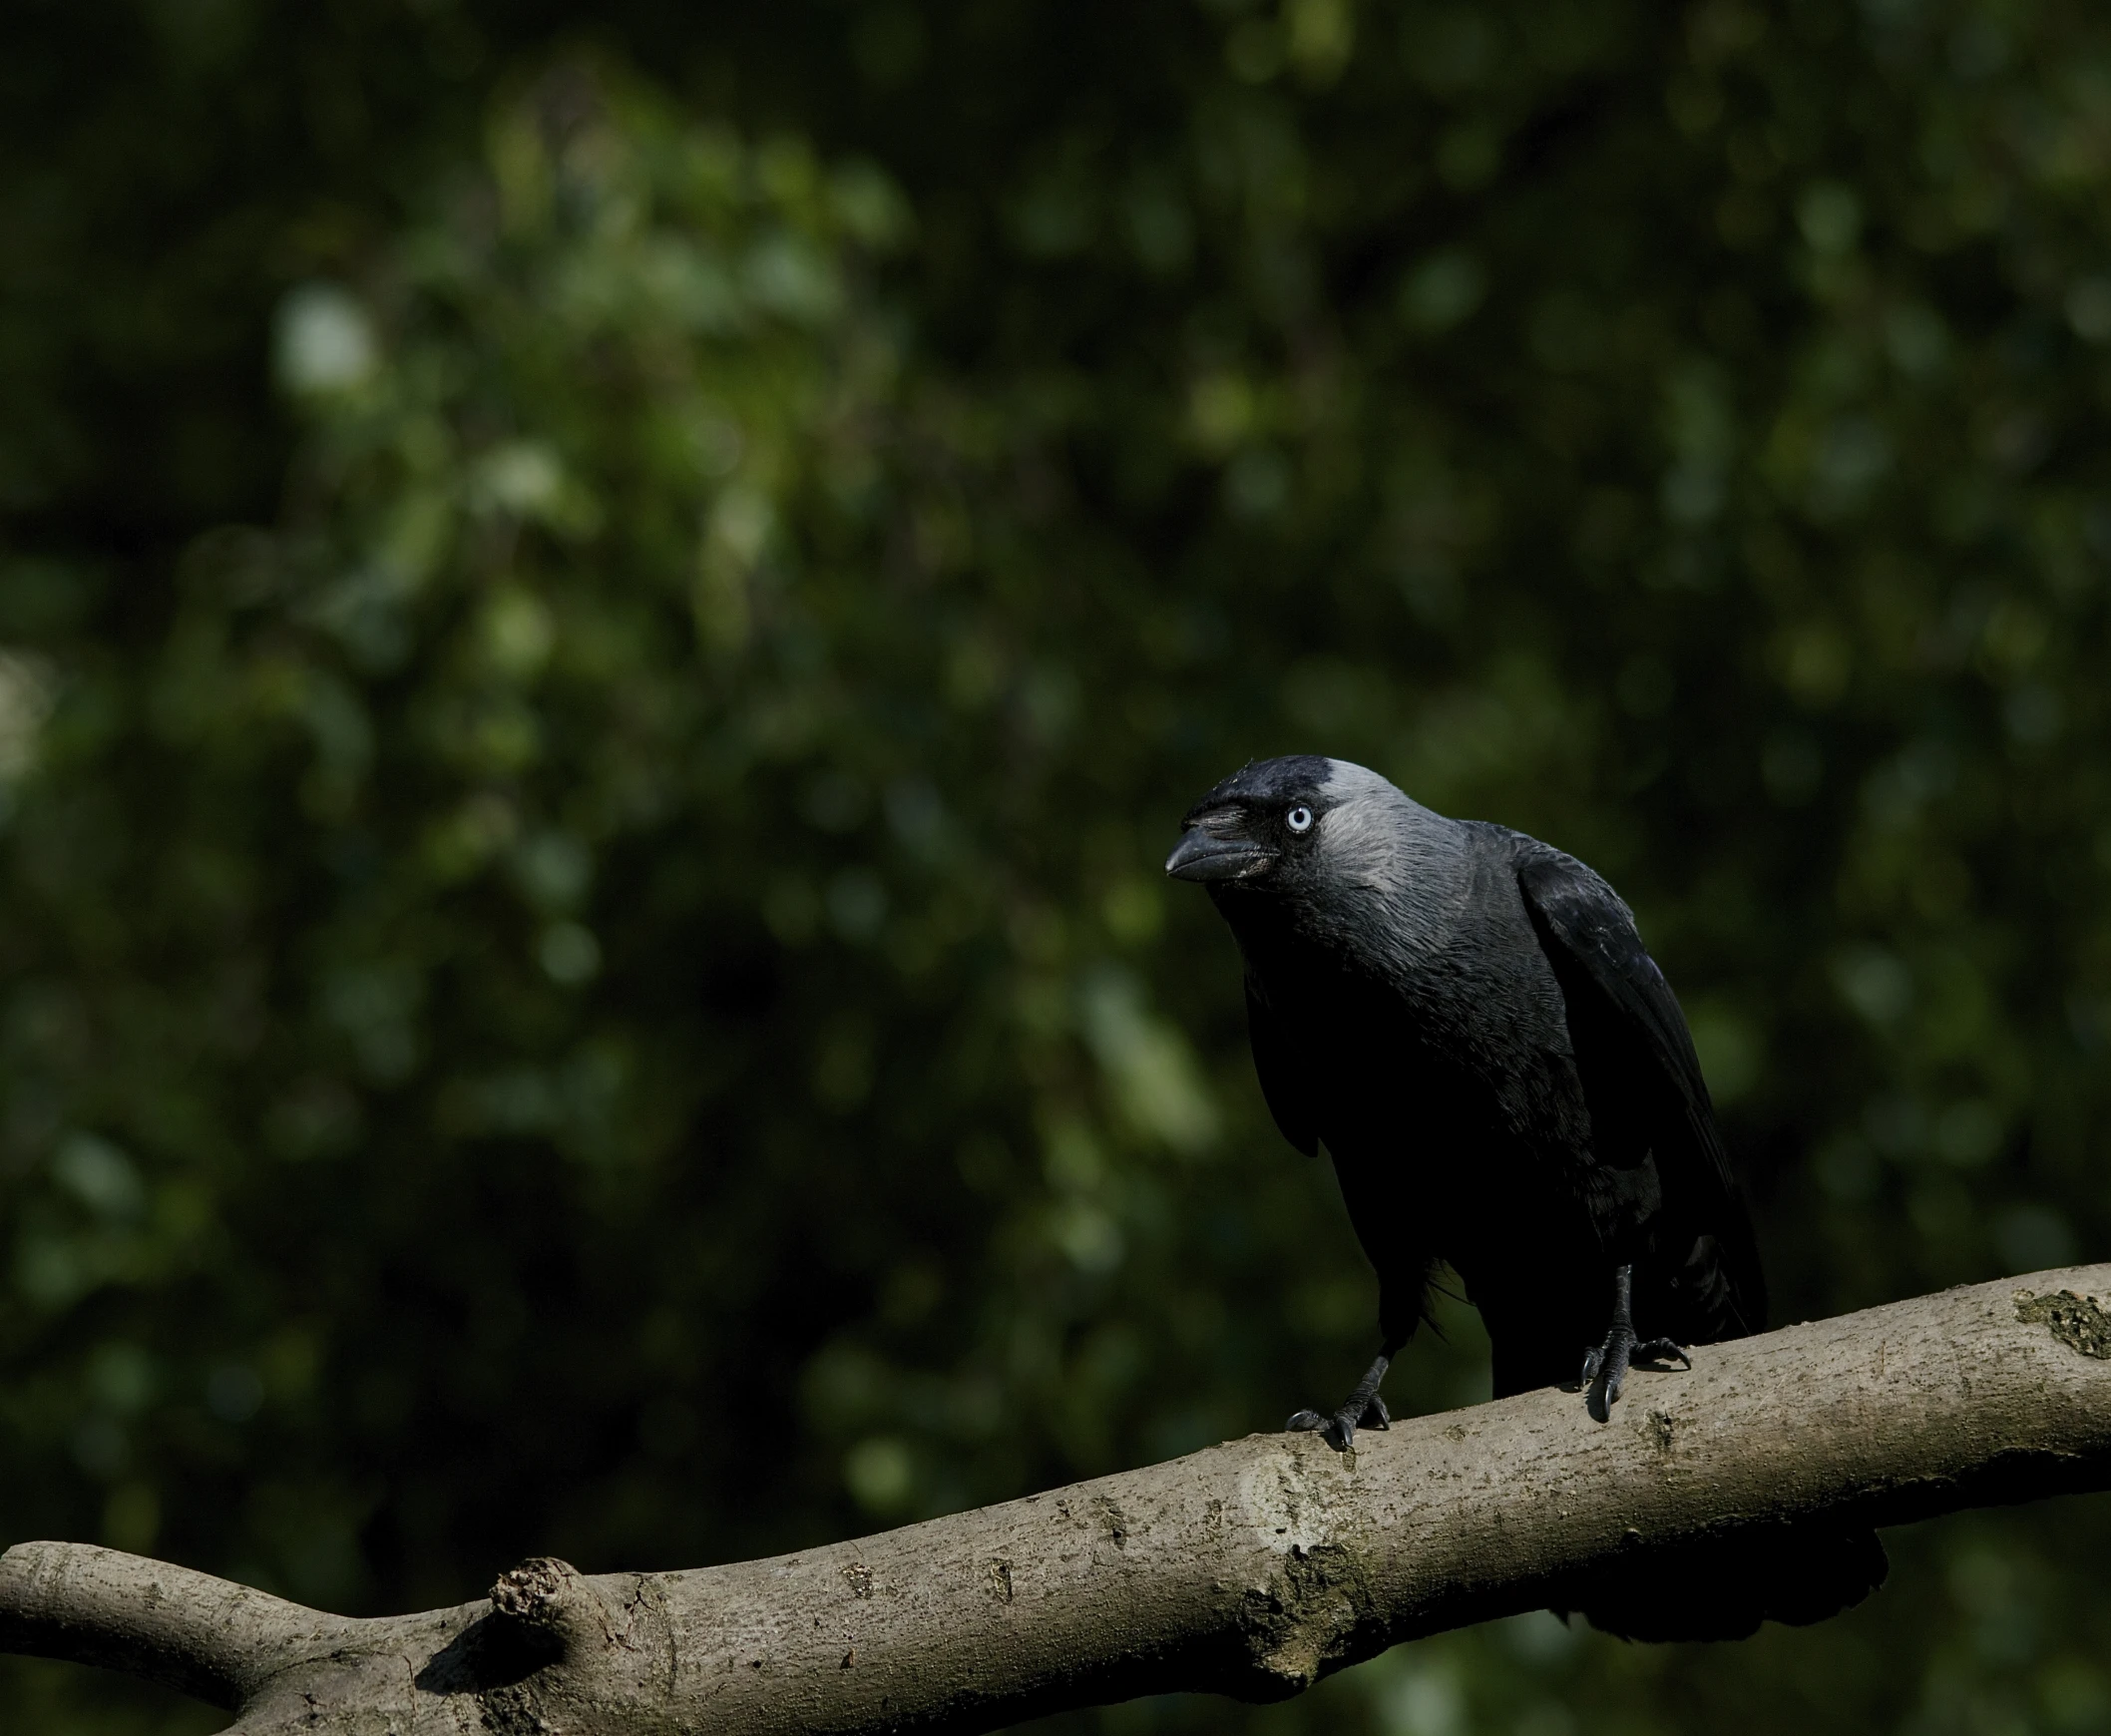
x=1605 y=1368
x=1339 y=1430
x=1363 y=1409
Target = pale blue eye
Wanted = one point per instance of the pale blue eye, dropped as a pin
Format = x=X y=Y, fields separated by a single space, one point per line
x=1299 y=818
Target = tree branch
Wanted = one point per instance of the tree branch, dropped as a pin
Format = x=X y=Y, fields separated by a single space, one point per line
x=1250 y=1569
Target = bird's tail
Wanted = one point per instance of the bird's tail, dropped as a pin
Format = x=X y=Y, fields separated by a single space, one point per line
x=1724 y=1588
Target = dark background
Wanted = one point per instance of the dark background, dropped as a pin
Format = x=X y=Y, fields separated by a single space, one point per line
x=604 y=623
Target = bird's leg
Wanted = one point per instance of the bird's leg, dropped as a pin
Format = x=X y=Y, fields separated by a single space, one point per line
x=1605 y=1369
x=1363 y=1409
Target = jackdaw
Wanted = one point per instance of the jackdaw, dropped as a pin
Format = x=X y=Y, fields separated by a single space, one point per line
x=1467 y=1020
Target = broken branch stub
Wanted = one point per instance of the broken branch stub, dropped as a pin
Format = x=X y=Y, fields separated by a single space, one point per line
x=1250 y=1569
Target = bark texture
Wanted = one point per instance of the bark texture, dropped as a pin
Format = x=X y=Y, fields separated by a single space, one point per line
x=1251 y=1569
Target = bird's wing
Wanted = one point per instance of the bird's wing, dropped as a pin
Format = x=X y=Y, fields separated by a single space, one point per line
x=1283 y=1080
x=1625 y=1020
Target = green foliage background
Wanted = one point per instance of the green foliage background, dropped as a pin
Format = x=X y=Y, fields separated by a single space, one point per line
x=604 y=623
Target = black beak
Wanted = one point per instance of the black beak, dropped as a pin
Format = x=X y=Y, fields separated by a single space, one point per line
x=1201 y=855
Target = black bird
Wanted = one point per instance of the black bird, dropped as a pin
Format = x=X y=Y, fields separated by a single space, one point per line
x=1467 y=1019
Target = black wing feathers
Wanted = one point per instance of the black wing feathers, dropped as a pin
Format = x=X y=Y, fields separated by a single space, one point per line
x=1283 y=1080
x=1625 y=1017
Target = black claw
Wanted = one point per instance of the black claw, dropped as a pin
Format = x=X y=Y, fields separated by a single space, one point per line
x=1338 y=1431
x=1661 y=1350
x=1605 y=1369
x=1365 y=1409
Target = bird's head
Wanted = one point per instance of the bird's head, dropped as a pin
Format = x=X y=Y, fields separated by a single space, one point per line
x=1333 y=849
x=1262 y=828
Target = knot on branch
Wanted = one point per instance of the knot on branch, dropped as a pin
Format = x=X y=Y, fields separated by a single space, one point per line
x=1304 y=1624
x=550 y=1607
x=533 y=1593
